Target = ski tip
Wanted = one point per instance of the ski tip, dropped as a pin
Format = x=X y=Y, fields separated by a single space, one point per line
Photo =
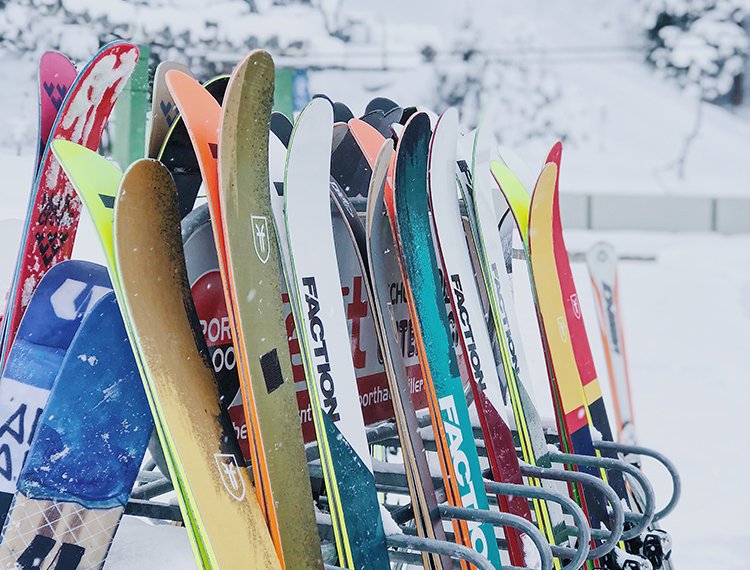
x=414 y=139
x=320 y=107
x=341 y=113
x=66 y=151
x=368 y=138
x=555 y=154
x=176 y=79
x=282 y=127
x=256 y=58
x=75 y=158
x=448 y=121
x=380 y=104
x=444 y=138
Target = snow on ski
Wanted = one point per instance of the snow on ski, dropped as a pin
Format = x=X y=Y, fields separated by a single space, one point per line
x=52 y=216
x=84 y=459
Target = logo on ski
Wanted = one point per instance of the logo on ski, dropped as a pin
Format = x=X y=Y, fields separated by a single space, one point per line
x=563 y=328
x=609 y=299
x=260 y=237
x=230 y=474
x=576 y=305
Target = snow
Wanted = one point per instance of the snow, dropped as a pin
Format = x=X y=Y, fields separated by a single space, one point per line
x=686 y=324
x=686 y=315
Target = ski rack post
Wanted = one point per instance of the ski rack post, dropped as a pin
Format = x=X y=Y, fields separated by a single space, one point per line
x=640 y=521
x=419 y=544
x=575 y=556
x=639 y=450
x=610 y=537
x=500 y=519
x=496 y=518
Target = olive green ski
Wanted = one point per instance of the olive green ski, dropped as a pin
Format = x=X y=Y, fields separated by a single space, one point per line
x=253 y=265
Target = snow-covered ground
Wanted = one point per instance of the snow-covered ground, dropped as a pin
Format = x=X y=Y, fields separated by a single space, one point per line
x=687 y=314
x=687 y=321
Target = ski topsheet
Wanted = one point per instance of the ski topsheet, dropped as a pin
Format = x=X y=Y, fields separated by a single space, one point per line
x=431 y=326
x=424 y=503
x=53 y=211
x=601 y=259
x=454 y=257
x=201 y=116
x=390 y=285
x=163 y=109
x=592 y=390
x=66 y=293
x=178 y=153
x=96 y=181
x=56 y=74
x=383 y=271
x=208 y=296
x=157 y=300
x=86 y=455
x=324 y=339
x=484 y=219
x=256 y=288
x=534 y=219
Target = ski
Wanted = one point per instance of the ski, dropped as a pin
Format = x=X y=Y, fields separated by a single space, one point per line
x=573 y=421
x=324 y=340
x=256 y=286
x=392 y=294
x=476 y=348
x=86 y=454
x=65 y=294
x=53 y=211
x=384 y=270
x=202 y=267
x=56 y=74
x=163 y=109
x=201 y=114
x=601 y=260
x=96 y=181
x=431 y=327
x=419 y=482
x=157 y=302
x=485 y=216
x=177 y=152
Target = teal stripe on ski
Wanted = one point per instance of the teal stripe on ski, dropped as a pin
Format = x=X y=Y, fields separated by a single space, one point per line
x=420 y=261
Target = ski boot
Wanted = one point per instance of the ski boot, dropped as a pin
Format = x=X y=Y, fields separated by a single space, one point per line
x=626 y=561
x=657 y=547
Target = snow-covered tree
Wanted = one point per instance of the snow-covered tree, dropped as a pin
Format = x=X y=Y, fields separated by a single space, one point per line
x=522 y=95
x=205 y=35
x=702 y=45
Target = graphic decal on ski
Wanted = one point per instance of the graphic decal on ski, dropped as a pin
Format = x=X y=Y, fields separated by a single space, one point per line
x=65 y=295
x=84 y=460
x=54 y=208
